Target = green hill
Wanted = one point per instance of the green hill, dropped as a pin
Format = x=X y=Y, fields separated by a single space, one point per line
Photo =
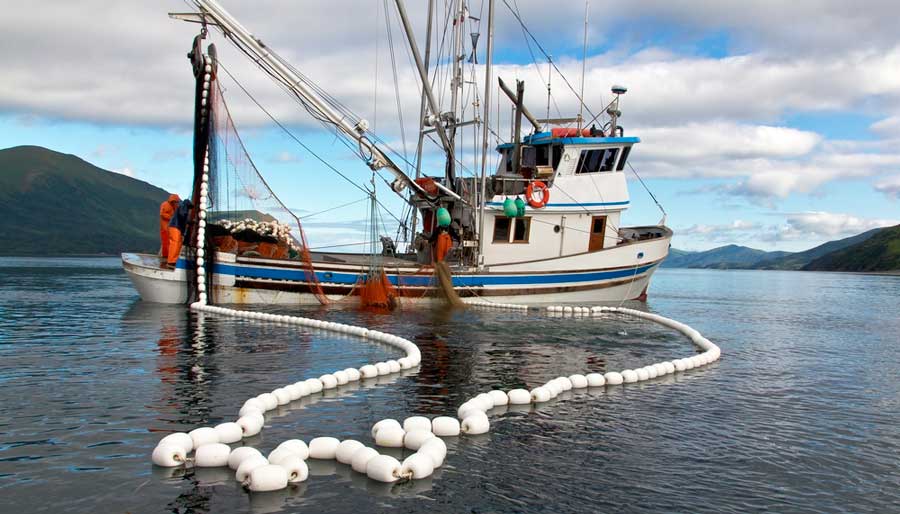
x=795 y=261
x=56 y=204
x=880 y=252
x=723 y=257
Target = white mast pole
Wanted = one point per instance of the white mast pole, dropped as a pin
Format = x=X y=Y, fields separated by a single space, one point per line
x=485 y=130
x=583 y=58
x=422 y=106
x=298 y=85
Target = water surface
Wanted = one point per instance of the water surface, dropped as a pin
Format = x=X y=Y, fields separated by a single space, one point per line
x=800 y=415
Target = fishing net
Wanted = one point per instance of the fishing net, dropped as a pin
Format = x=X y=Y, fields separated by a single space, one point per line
x=245 y=216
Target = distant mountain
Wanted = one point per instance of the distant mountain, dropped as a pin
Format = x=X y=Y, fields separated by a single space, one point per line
x=57 y=204
x=723 y=257
x=879 y=252
x=795 y=261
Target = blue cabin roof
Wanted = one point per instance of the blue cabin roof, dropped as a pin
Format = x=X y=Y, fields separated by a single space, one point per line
x=545 y=138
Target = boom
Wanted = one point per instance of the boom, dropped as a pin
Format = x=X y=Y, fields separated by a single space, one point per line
x=273 y=64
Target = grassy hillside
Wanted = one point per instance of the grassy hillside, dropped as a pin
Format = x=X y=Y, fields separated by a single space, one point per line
x=796 y=261
x=57 y=204
x=880 y=252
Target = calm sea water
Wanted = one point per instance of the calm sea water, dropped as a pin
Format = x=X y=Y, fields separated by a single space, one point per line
x=802 y=414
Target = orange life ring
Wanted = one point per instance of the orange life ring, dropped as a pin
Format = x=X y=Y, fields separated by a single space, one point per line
x=540 y=187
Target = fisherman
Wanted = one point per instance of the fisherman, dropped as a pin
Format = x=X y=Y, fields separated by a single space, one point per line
x=442 y=240
x=166 y=210
x=177 y=228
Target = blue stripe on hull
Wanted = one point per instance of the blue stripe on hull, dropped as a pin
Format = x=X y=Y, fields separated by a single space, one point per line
x=426 y=280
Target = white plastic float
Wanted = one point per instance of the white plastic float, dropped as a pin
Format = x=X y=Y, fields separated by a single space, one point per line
x=286 y=463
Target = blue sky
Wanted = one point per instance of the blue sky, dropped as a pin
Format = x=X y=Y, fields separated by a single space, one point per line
x=769 y=125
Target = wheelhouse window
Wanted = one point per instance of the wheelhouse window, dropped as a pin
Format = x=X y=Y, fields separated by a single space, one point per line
x=593 y=161
x=512 y=230
x=501 y=230
x=624 y=158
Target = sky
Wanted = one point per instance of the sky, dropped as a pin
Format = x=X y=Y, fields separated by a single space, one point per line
x=764 y=123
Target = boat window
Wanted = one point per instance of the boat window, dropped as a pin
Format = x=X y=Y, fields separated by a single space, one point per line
x=556 y=154
x=501 y=230
x=505 y=161
x=624 y=158
x=593 y=161
x=543 y=155
x=521 y=230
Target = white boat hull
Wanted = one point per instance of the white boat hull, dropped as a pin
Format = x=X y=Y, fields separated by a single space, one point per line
x=609 y=275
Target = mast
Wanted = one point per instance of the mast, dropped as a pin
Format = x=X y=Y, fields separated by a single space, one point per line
x=273 y=64
x=485 y=129
x=455 y=84
x=422 y=107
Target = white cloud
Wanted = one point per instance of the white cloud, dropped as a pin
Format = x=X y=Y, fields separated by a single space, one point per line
x=887 y=127
x=128 y=172
x=724 y=140
x=736 y=231
x=829 y=225
x=889 y=186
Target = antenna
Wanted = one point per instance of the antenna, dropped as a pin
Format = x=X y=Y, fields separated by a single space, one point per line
x=549 y=78
x=583 y=59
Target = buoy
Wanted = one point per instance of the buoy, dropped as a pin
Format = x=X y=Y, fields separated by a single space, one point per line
x=564 y=382
x=250 y=425
x=203 y=435
x=247 y=409
x=445 y=426
x=390 y=436
x=267 y=478
x=416 y=422
x=368 y=371
x=498 y=397
x=405 y=363
x=485 y=400
x=296 y=468
x=383 y=468
x=540 y=394
x=229 y=432
x=660 y=369
x=361 y=458
x=315 y=385
x=614 y=378
x=417 y=466
x=341 y=377
x=328 y=381
x=642 y=374
x=629 y=376
x=279 y=454
x=435 y=448
x=385 y=423
x=178 y=439
x=414 y=438
x=678 y=365
x=475 y=424
x=293 y=391
x=297 y=447
x=303 y=387
x=248 y=465
x=595 y=379
x=383 y=368
x=670 y=368
x=394 y=366
x=578 y=381
x=168 y=455
x=323 y=447
x=553 y=387
x=345 y=450
x=352 y=374
x=519 y=396
x=269 y=400
x=212 y=455
x=239 y=455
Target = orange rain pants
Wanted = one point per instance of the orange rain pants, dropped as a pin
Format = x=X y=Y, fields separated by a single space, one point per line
x=442 y=246
x=175 y=240
x=166 y=210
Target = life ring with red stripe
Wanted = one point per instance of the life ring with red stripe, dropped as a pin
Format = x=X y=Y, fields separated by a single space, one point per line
x=537 y=187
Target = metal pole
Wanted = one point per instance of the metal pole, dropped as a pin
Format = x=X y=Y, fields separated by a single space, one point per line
x=583 y=58
x=485 y=130
x=415 y=219
x=423 y=74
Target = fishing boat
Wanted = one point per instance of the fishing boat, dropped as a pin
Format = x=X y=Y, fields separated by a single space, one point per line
x=543 y=225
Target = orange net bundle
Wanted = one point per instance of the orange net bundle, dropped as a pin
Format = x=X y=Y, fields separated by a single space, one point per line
x=376 y=291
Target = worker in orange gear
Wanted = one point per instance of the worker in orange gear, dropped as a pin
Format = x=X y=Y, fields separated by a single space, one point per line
x=166 y=210
x=177 y=228
x=442 y=238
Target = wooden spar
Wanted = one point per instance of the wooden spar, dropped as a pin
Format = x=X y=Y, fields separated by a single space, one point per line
x=525 y=112
x=517 y=131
